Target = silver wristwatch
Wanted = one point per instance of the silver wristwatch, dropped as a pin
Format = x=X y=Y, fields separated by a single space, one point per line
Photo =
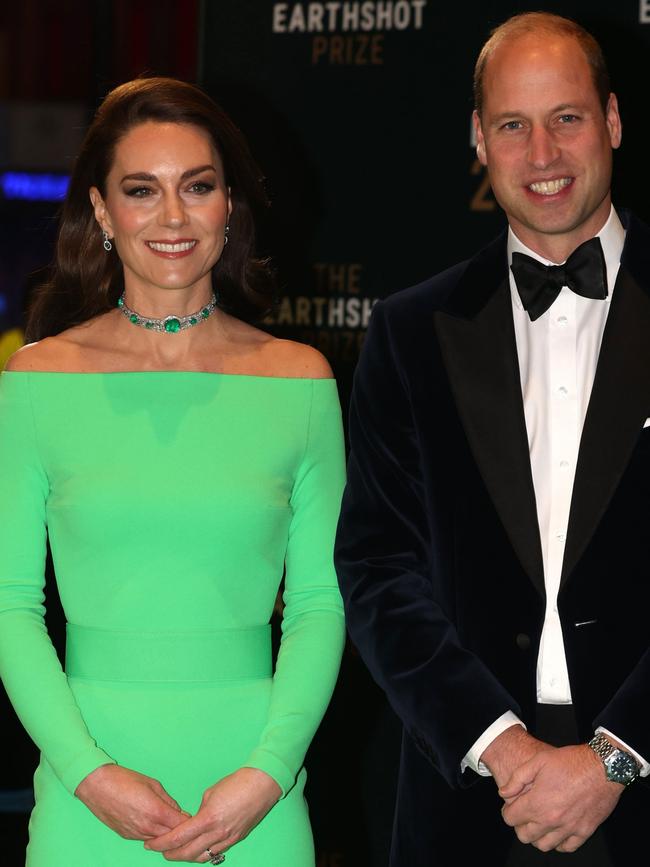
x=620 y=766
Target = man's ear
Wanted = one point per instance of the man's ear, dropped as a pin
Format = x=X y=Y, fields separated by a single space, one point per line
x=480 y=140
x=101 y=213
x=613 y=120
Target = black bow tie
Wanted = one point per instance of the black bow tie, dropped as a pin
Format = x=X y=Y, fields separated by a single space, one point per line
x=539 y=285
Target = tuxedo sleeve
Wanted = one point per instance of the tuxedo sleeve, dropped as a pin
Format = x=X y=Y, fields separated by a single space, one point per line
x=626 y=715
x=388 y=570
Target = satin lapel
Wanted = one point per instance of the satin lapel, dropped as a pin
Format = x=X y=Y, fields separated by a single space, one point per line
x=618 y=407
x=480 y=356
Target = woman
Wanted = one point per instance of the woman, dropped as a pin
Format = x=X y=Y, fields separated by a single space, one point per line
x=180 y=460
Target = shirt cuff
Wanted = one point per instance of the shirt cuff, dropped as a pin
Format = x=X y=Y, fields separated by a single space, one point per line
x=472 y=758
x=645 y=766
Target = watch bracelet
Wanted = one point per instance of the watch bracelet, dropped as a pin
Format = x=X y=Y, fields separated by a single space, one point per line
x=602 y=746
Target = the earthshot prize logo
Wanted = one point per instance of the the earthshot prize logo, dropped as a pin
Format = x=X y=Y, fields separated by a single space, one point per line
x=348 y=33
x=334 y=317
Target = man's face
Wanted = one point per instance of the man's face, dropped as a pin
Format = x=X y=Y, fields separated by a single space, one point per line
x=546 y=141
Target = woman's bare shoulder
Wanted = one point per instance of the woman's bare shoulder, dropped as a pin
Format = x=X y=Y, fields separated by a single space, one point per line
x=45 y=355
x=293 y=359
x=267 y=355
x=61 y=352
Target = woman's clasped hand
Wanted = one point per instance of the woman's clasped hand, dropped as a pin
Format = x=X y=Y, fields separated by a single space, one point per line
x=229 y=811
x=137 y=807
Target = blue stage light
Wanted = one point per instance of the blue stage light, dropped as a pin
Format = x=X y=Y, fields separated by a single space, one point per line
x=32 y=187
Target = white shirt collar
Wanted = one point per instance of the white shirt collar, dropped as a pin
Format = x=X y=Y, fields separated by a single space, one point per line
x=612 y=238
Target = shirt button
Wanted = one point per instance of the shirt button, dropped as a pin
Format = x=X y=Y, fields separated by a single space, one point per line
x=561 y=537
x=563 y=391
x=562 y=321
x=564 y=464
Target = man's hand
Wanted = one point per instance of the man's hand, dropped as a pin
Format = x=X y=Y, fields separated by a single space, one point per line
x=229 y=810
x=512 y=748
x=133 y=805
x=558 y=798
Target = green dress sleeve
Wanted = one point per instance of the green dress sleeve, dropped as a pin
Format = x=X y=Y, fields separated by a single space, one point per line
x=29 y=666
x=313 y=629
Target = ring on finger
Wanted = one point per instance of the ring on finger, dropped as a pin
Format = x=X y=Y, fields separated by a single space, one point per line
x=216 y=857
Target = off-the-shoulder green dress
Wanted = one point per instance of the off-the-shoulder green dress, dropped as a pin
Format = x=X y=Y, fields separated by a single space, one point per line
x=174 y=504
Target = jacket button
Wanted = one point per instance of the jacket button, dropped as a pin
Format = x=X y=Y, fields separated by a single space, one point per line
x=523 y=641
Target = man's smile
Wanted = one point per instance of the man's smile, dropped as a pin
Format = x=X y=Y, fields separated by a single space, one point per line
x=550 y=188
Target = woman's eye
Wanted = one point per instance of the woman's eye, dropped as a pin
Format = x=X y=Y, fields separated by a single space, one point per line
x=138 y=192
x=201 y=187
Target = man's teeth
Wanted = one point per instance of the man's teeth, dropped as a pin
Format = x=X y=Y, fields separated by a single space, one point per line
x=548 y=188
x=181 y=247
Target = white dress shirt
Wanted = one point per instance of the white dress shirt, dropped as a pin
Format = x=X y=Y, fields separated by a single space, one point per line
x=557 y=354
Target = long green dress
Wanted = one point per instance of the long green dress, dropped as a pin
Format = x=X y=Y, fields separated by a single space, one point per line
x=174 y=504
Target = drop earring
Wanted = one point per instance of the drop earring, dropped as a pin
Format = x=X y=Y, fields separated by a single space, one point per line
x=107 y=243
x=225 y=234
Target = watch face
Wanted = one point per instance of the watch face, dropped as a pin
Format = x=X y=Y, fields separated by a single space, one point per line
x=621 y=768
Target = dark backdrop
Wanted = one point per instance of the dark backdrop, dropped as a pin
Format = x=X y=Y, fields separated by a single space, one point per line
x=359 y=114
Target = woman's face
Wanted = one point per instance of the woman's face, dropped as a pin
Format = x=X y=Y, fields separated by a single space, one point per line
x=166 y=206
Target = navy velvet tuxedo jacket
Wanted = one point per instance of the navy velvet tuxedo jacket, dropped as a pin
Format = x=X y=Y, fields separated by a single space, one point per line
x=438 y=550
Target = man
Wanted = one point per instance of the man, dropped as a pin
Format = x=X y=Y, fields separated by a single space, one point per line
x=494 y=540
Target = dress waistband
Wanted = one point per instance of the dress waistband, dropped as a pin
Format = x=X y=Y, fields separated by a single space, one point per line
x=199 y=656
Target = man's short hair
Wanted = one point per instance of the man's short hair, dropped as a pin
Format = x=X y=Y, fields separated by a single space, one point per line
x=544 y=22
